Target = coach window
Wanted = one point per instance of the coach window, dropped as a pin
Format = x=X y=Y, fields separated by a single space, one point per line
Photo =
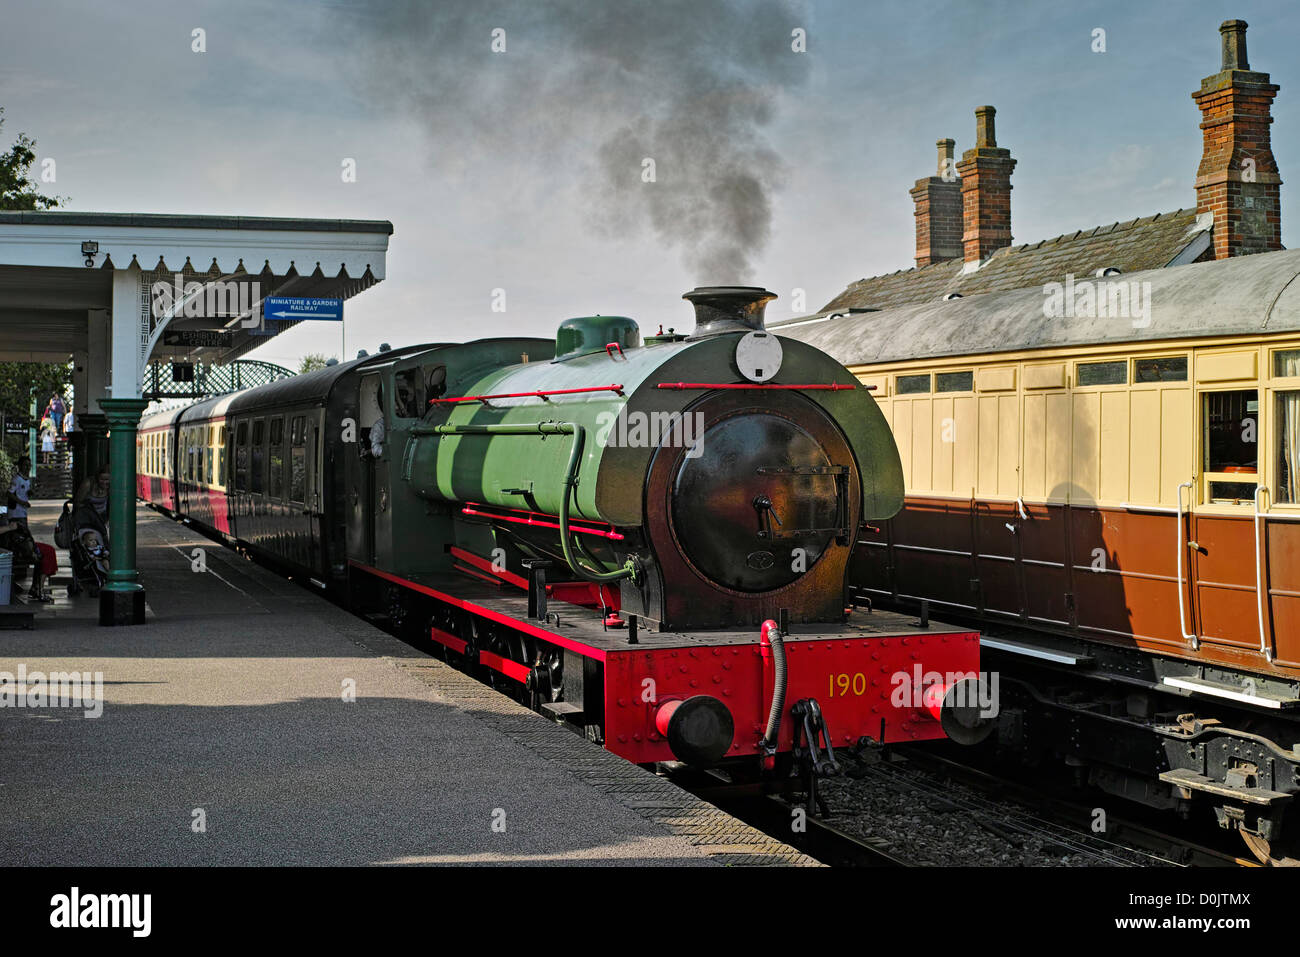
x=275 y=483
x=1102 y=373
x=221 y=455
x=1229 y=436
x=241 y=457
x=1286 y=431
x=297 y=462
x=954 y=382
x=257 y=466
x=912 y=384
x=210 y=454
x=1163 y=369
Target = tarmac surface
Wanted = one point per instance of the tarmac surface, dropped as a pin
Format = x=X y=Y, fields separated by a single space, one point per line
x=250 y=721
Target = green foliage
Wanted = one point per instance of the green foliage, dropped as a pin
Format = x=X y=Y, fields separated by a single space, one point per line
x=17 y=190
x=17 y=379
x=312 y=362
x=7 y=466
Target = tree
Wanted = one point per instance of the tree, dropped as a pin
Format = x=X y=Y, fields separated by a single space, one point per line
x=311 y=362
x=17 y=189
x=17 y=379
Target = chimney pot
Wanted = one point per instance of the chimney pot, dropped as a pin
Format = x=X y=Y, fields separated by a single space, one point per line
x=946 y=148
x=984 y=133
x=1234 y=44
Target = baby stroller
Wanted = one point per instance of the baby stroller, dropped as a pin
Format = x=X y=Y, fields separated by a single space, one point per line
x=81 y=530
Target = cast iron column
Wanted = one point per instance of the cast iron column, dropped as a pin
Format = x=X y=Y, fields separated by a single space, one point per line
x=121 y=601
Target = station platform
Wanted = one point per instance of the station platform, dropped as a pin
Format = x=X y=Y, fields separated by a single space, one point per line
x=226 y=738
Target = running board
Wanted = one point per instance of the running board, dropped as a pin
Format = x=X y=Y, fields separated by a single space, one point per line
x=1040 y=652
x=1231 y=693
x=1190 y=781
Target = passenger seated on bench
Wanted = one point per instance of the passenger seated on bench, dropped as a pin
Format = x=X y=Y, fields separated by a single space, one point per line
x=15 y=537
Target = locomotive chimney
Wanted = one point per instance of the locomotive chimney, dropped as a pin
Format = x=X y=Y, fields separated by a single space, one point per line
x=720 y=309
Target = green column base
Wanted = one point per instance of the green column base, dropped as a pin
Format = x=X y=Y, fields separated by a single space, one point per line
x=121 y=607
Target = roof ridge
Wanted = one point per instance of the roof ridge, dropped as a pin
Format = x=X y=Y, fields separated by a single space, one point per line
x=1029 y=247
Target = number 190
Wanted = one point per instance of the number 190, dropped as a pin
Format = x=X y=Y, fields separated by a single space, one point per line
x=842 y=685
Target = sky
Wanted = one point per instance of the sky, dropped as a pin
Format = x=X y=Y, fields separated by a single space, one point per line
x=522 y=169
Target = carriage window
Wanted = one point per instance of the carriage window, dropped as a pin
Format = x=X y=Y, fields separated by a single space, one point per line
x=208 y=469
x=297 y=463
x=1286 y=363
x=275 y=483
x=1288 y=448
x=1230 y=426
x=241 y=457
x=189 y=454
x=1164 y=369
x=1103 y=373
x=910 y=384
x=257 y=467
x=954 y=382
x=221 y=455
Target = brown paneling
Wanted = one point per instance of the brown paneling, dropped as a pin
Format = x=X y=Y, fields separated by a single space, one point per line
x=1121 y=568
x=935 y=523
x=1224 y=567
x=1282 y=545
x=1044 y=550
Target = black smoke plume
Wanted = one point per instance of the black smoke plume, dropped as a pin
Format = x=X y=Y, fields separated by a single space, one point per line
x=587 y=91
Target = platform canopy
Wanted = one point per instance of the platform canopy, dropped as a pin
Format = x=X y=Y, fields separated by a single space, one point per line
x=116 y=291
x=139 y=287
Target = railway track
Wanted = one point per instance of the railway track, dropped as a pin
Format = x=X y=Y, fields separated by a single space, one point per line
x=919 y=809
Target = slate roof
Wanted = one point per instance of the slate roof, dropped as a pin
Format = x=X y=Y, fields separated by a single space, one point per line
x=1243 y=295
x=1150 y=242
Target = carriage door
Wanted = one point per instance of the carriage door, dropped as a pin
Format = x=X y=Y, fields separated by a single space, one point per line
x=314 y=496
x=372 y=398
x=1223 y=552
x=187 y=469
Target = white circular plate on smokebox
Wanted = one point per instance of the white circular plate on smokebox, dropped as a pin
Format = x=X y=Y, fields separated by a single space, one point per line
x=758 y=356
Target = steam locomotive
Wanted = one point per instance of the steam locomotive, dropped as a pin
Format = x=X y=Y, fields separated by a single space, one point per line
x=647 y=540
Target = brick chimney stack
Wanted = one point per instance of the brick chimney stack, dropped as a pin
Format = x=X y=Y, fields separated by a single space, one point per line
x=938 y=211
x=985 y=191
x=1237 y=180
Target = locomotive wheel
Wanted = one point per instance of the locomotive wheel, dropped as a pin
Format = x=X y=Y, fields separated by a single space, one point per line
x=1263 y=850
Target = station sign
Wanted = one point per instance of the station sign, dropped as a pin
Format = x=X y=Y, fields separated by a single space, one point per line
x=197 y=338
x=289 y=308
